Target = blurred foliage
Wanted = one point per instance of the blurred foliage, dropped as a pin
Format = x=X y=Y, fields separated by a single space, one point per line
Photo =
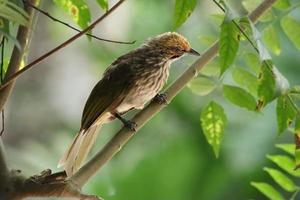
x=169 y=158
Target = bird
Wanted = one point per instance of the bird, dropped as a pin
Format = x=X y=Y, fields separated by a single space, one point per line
x=131 y=81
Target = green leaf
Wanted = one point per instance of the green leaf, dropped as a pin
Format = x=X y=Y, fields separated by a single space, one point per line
x=212 y=68
x=77 y=9
x=271 y=83
x=252 y=61
x=297 y=158
x=281 y=179
x=12 y=12
x=202 y=86
x=268 y=190
x=246 y=79
x=282 y=4
x=271 y=39
x=239 y=97
x=103 y=4
x=229 y=44
x=285 y=113
x=182 y=10
x=266 y=85
x=213 y=121
x=289 y=148
x=291 y=28
x=284 y=162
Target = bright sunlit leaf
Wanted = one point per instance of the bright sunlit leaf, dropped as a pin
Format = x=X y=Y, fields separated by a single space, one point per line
x=288 y=148
x=271 y=40
x=282 y=4
x=239 y=97
x=286 y=163
x=213 y=121
x=281 y=179
x=183 y=9
x=291 y=28
x=202 y=86
x=229 y=44
x=268 y=190
x=77 y=9
x=285 y=112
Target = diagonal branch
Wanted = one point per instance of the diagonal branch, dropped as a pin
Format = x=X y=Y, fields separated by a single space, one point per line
x=72 y=27
x=12 y=77
x=120 y=139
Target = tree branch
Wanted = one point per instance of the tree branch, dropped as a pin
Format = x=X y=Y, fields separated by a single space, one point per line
x=12 y=77
x=120 y=139
x=72 y=27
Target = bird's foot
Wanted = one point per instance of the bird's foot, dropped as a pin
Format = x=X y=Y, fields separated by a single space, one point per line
x=130 y=125
x=161 y=98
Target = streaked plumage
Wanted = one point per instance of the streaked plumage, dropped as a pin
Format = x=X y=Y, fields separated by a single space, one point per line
x=128 y=83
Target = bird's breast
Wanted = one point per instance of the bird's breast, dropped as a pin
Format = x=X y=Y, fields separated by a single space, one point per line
x=147 y=84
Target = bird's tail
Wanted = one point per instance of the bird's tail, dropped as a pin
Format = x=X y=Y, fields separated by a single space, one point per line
x=73 y=158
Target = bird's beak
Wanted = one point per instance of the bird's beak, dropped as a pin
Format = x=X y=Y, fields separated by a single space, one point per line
x=193 y=52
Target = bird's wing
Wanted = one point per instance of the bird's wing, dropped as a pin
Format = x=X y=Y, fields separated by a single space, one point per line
x=108 y=93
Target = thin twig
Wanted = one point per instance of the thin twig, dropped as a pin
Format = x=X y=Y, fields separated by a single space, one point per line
x=123 y=135
x=72 y=27
x=2 y=59
x=64 y=44
x=3 y=124
x=1 y=80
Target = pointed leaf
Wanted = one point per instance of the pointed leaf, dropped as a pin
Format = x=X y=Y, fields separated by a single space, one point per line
x=239 y=97
x=291 y=28
x=271 y=83
x=77 y=9
x=282 y=4
x=271 y=39
x=288 y=148
x=286 y=163
x=268 y=190
x=281 y=179
x=182 y=10
x=246 y=79
x=285 y=113
x=103 y=4
x=213 y=121
x=202 y=86
x=229 y=44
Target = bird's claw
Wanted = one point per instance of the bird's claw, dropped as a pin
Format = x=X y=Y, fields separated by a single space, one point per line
x=161 y=99
x=130 y=125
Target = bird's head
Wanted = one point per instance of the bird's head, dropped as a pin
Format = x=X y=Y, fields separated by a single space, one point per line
x=173 y=44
